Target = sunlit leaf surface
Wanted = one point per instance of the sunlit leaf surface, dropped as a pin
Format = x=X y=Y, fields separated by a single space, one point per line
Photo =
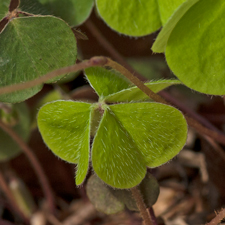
x=65 y=128
x=197 y=59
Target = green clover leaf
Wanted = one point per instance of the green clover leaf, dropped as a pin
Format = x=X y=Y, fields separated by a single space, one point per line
x=65 y=128
x=128 y=137
x=112 y=87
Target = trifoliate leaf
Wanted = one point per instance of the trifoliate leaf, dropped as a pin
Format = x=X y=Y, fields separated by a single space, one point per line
x=162 y=38
x=101 y=196
x=198 y=60
x=73 y=12
x=129 y=137
x=135 y=94
x=116 y=158
x=65 y=128
x=9 y=148
x=106 y=82
x=33 y=46
x=159 y=131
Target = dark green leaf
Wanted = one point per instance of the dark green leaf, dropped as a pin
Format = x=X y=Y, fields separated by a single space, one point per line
x=33 y=46
x=102 y=197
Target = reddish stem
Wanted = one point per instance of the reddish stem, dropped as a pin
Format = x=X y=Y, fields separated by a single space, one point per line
x=141 y=206
x=219 y=217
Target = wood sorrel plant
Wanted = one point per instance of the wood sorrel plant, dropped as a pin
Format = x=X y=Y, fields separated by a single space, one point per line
x=129 y=131
x=128 y=136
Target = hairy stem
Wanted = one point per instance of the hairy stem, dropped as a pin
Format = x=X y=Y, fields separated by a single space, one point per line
x=34 y=163
x=95 y=61
x=104 y=61
x=135 y=81
x=219 y=217
x=141 y=205
x=5 y=189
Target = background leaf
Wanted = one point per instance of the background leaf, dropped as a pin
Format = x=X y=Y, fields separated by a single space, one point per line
x=65 y=128
x=8 y=148
x=150 y=67
x=101 y=196
x=159 y=130
x=135 y=94
x=106 y=82
x=73 y=12
x=33 y=47
x=33 y=7
x=149 y=189
x=115 y=156
x=197 y=60
x=109 y=200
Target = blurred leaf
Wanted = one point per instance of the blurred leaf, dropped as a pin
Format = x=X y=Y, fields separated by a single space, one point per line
x=73 y=12
x=149 y=189
x=8 y=148
x=151 y=68
x=110 y=201
x=33 y=47
x=102 y=197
